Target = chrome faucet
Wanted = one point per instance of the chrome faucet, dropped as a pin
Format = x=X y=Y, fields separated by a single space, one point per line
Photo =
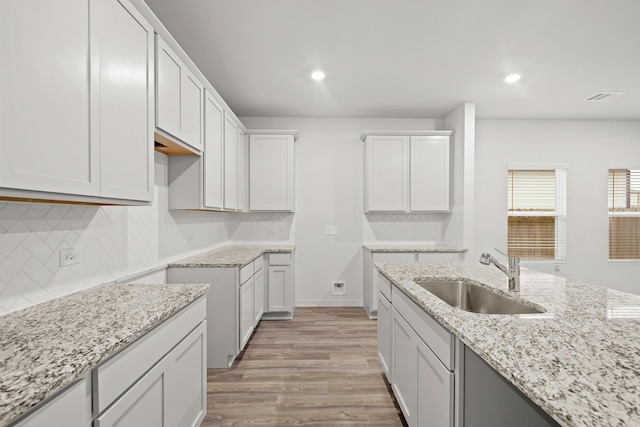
x=512 y=272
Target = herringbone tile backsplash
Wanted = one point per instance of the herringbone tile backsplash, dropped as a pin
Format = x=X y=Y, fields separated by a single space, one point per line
x=111 y=241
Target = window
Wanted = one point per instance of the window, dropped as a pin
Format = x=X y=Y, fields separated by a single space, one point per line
x=537 y=213
x=624 y=214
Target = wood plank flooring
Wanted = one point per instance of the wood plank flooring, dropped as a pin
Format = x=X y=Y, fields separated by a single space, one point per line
x=319 y=369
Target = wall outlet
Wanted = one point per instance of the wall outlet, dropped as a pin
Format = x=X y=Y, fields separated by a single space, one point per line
x=270 y=234
x=331 y=230
x=339 y=288
x=190 y=237
x=69 y=257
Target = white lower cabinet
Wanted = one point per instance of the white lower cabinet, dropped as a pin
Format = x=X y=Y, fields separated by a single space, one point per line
x=158 y=380
x=281 y=289
x=173 y=392
x=247 y=304
x=258 y=295
x=435 y=400
x=419 y=354
x=71 y=407
x=384 y=335
x=235 y=306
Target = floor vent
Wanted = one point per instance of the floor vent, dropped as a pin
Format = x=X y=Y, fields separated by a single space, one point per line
x=604 y=96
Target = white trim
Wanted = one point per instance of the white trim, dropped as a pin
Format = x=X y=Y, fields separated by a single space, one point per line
x=629 y=214
x=537 y=166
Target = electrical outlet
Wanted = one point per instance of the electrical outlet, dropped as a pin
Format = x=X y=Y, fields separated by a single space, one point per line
x=190 y=237
x=339 y=288
x=270 y=234
x=69 y=257
x=331 y=230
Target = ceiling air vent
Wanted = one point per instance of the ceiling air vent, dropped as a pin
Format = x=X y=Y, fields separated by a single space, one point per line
x=604 y=96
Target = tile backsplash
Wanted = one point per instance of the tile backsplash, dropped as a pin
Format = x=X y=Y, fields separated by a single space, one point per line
x=424 y=227
x=111 y=241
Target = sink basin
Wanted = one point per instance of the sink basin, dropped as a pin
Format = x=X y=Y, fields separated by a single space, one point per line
x=472 y=297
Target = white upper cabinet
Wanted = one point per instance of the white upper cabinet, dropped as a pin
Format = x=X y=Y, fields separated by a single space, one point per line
x=44 y=98
x=179 y=98
x=213 y=153
x=67 y=134
x=230 y=163
x=387 y=173
x=271 y=171
x=407 y=171
x=430 y=173
x=122 y=98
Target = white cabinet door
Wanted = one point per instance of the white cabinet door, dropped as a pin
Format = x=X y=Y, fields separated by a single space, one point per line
x=186 y=394
x=430 y=173
x=72 y=407
x=179 y=97
x=168 y=89
x=404 y=366
x=247 y=318
x=143 y=405
x=259 y=295
x=387 y=164
x=242 y=171
x=44 y=98
x=230 y=164
x=271 y=173
x=122 y=98
x=213 y=153
x=435 y=390
x=191 y=110
x=384 y=335
x=281 y=292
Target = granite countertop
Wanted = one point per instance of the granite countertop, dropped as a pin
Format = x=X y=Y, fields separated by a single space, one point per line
x=579 y=361
x=231 y=256
x=411 y=247
x=48 y=346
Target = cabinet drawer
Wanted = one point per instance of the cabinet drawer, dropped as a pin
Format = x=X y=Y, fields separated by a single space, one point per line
x=246 y=272
x=114 y=376
x=439 y=340
x=384 y=286
x=280 y=259
x=258 y=263
x=440 y=256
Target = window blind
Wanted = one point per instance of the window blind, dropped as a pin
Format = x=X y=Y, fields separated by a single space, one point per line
x=536 y=214
x=624 y=213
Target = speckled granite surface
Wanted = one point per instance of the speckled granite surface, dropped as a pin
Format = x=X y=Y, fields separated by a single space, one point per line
x=401 y=247
x=45 y=347
x=579 y=361
x=231 y=256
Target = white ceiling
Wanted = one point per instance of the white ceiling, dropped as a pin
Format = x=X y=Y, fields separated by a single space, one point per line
x=414 y=58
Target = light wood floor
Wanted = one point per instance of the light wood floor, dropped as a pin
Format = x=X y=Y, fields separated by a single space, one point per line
x=319 y=369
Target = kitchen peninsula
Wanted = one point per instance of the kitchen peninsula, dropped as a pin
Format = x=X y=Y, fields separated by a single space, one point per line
x=578 y=361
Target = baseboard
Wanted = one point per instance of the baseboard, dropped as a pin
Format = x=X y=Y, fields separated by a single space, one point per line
x=329 y=303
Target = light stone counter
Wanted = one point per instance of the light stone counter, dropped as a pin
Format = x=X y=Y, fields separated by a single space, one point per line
x=45 y=347
x=409 y=247
x=231 y=256
x=579 y=361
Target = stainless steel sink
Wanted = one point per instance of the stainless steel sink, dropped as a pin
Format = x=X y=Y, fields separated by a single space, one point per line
x=472 y=297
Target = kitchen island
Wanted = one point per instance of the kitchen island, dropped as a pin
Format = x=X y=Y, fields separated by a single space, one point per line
x=47 y=347
x=579 y=361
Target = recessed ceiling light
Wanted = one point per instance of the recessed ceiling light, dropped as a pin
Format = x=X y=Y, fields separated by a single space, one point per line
x=512 y=78
x=317 y=75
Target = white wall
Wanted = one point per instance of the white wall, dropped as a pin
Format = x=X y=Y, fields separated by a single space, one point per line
x=112 y=242
x=329 y=191
x=589 y=147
